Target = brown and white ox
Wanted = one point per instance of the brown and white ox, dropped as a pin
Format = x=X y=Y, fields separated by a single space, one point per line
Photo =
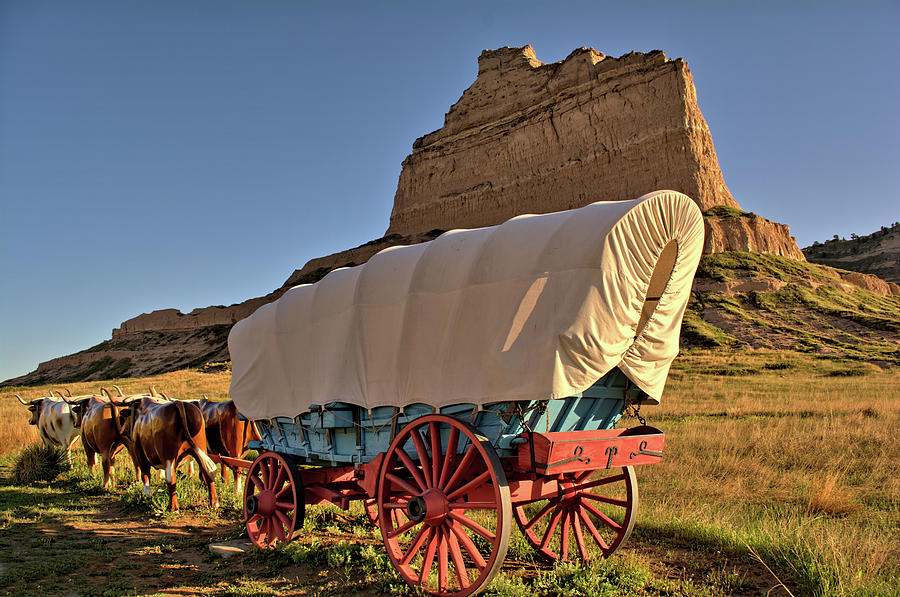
x=55 y=421
x=226 y=435
x=160 y=435
x=99 y=432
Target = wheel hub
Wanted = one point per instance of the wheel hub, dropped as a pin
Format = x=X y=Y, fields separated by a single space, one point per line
x=432 y=507
x=251 y=505
x=262 y=503
x=415 y=509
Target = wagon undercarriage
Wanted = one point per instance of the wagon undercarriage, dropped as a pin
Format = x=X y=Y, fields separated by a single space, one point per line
x=446 y=493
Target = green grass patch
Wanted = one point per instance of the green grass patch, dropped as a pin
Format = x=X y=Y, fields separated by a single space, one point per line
x=726 y=211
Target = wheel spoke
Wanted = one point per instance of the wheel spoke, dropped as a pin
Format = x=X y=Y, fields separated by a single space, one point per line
x=606 y=519
x=548 y=534
x=603 y=498
x=284 y=490
x=593 y=530
x=463 y=466
x=473 y=506
x=456 y=555
x=264 y=531
x=442 y=560
x=279 y=529
x=402 y=529
x=473 y=484
x=412 y=468
x=468 y=544
x=257 y=482
x=435 y=452
x=429 y=560
x=398 y=481
x=539 y=515
x=256 y=516
x=395 y=506
x=599 y=482
x=582 y=476
x=270 y=478
x=283 y=518
x=425 y=534
x=424 y=460
x=279 y=478
x=285 y=505
x=579 y=536
x=450 y=458
x=564 y=539
x=465 y=520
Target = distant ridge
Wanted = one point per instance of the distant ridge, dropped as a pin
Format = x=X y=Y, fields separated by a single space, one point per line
x=877 y=253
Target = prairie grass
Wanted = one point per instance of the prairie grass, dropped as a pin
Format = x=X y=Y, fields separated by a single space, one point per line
x=789 y=459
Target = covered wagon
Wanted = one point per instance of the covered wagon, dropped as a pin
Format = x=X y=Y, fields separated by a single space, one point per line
x=474 y=382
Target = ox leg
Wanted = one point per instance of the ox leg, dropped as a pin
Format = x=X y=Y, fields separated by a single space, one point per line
x=91 y=460
x=145 y=479
x=107 y=471
x=171 y=484
x=208 y=475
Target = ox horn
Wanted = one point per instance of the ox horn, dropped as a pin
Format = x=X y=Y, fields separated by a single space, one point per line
x=121 y=393
x=58 y=392
x=69 y=392
x=153 y=390
x=22 y=401
x=105 y=391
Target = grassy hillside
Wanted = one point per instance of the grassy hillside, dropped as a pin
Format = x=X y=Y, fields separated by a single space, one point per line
x=785 y=460
x=752 y=300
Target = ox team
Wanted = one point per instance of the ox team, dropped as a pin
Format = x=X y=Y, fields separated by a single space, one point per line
x=156 y=431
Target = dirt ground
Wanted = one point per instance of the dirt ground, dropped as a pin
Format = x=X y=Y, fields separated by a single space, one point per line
x=99 y=548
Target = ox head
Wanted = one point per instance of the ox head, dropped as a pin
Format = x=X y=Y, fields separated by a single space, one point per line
x=123 y=414
x=34 y=406
x=79 y=406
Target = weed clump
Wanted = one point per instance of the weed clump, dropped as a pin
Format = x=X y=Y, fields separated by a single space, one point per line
x=38 y=462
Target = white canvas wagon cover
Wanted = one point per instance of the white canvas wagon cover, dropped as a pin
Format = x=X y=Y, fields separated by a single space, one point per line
x=536 y=308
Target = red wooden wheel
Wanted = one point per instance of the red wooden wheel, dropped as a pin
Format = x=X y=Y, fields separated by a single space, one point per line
x=444 y=507
x=273 y=500
x=590 y=514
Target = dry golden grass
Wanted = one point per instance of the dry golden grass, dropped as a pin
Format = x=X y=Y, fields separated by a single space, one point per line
x=15 y=432
x=800 y=458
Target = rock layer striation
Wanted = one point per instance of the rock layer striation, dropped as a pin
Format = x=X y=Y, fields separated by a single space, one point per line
x=529 y=137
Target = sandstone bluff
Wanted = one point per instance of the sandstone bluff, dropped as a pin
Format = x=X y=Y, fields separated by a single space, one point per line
x=525 y=137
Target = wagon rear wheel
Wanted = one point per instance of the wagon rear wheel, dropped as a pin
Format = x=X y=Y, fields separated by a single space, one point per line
x=444 y=507
x=273 y=500
x=592 y=514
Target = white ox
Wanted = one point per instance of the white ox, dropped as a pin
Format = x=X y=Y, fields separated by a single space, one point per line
x=55 y=422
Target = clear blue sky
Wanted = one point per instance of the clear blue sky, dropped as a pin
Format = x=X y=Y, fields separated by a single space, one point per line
x=185 y=154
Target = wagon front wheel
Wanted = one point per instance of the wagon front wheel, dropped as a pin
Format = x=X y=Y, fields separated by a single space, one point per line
x=444 y=507
x=273 y=500
x=591 y=514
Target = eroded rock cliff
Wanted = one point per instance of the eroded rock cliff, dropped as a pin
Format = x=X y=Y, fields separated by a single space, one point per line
x=529 y=137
